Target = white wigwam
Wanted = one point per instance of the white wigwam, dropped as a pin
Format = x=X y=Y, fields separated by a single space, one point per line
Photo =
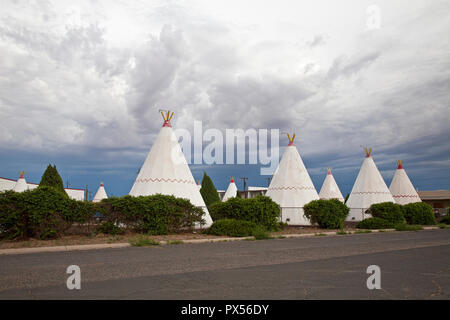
x=231 y=191
x=21 y=184
x=330 y=189
x=401 y=187
x=291 y=186
x=166 y=171
x=369 y=188
x=101 y=194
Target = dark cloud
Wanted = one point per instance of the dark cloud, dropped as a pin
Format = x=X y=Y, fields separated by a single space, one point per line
x=73 y=82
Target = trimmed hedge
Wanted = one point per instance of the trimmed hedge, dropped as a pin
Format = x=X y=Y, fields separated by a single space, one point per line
x=43 y=213
x=157 y=214
x=236 y=228
x=46 y=212
x=328 y=214
x=445 y=219
x=389 y=211
x=419 y=213
x=375 y=223
x=260 y=210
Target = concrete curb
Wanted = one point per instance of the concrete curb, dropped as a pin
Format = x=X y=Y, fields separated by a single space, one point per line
x=167 y=242
x=64 y=248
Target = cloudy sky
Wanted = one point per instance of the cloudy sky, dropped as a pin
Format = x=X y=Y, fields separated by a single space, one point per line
x=81 y=83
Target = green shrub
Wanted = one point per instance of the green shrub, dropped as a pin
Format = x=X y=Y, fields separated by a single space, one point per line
x=375 y=223
x=153 y=215
x=43 y=213
x=260 y=233
x=419 y=213
x=407 y=227
x=109 y=227
x=232 y=228
x=445 y=219
x=260 y=210
x=388 y=211
x=328 y=214
x=47 y=213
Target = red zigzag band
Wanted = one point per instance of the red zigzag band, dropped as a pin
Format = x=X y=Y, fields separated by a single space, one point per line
x=371 y=192
x=291 y=188
x=146 y=180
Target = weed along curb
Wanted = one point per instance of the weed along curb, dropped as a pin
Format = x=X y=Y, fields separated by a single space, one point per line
x=191 y=241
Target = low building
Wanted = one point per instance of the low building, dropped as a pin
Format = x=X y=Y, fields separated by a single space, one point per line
x=8 y=184
x=250 y=193
x=438 y=199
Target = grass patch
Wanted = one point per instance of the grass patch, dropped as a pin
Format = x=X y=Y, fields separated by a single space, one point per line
x=174 y=241
x=408 y=227
x=320 y=234
x=363 y=231
x=260 y=233
x=143 y=242
x=342 y=232
x=443 y=226
x=114 y=239
x=280 y=237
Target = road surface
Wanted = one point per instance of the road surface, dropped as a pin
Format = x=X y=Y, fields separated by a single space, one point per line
x=414 y=265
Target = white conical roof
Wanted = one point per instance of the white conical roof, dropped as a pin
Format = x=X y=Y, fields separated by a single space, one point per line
x=369 y=188
x=166 y=171
x=291 y=187
x=101 y=194
x=231 y=191
x=401 y=187
x=21 y=184
x=330 y=189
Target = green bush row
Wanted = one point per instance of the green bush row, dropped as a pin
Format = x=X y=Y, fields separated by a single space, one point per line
x=260 y=210
x=43 y=213
x=237 y=228
x=46 y=212
x=391 y=215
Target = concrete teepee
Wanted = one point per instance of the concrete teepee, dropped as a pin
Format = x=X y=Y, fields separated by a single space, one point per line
x=101 y=194
x=401 y=187
x=166 y=171
x=231 y=191
x=291 y=186
x=21 y=184
x=330 y=189
x=369 y=188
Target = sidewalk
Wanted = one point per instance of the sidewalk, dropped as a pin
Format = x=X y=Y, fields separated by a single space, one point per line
x=192 y=241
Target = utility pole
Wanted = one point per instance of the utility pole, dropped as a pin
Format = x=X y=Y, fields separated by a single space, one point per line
x=245 y=186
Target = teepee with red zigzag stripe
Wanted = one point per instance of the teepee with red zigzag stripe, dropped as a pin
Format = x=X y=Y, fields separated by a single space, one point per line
x=166 y=171
x=369 y=188
x=291 y=186
x=401 y=187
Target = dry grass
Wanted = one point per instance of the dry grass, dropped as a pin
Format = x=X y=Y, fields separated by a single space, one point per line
x=98 y=239
x=132 y=237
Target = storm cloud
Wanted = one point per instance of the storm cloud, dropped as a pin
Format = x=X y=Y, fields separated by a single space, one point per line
x=85 y=80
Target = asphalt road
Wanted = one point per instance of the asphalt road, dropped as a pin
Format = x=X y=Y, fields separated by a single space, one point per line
x=414 y=265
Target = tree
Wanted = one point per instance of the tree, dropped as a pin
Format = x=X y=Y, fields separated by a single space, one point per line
x=52 y=178
x=346 y=197
x=208 y=191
